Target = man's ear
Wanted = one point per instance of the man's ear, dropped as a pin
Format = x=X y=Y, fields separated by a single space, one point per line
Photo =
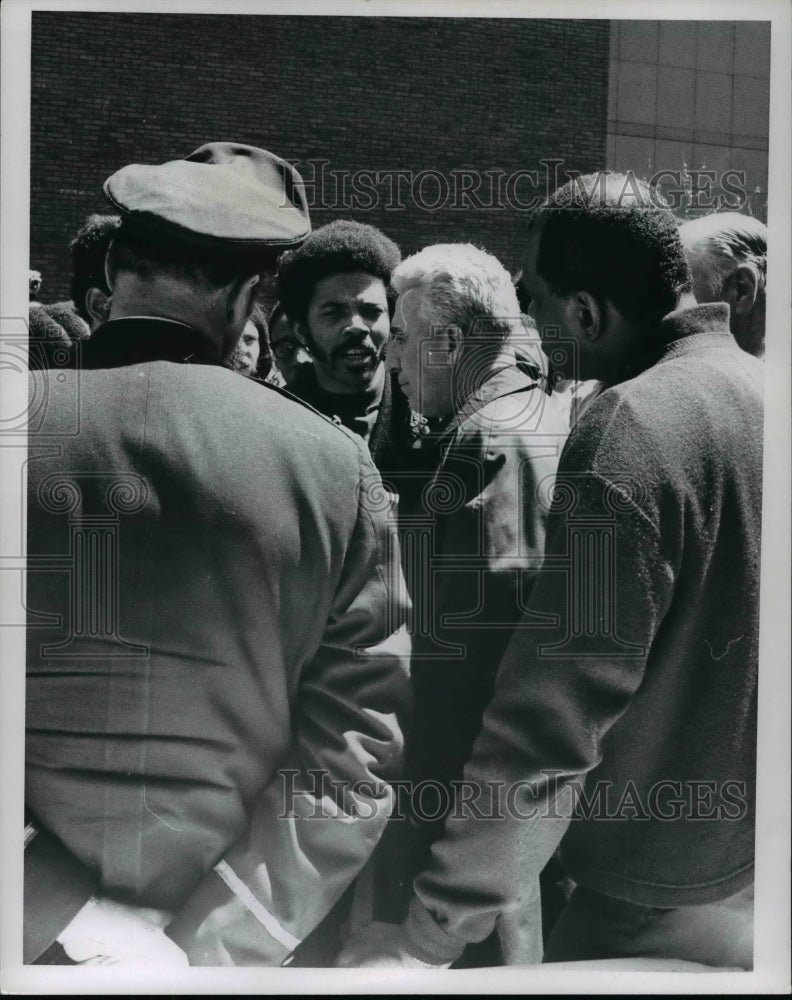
x=242 y=297
x=587 y=315
x=741 y=288
x=250 y=290
x=97 y=305
x=107 y=269
x=454 y=341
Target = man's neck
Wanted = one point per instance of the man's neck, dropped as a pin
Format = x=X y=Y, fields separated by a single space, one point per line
x=643 y=345
x=174 y=301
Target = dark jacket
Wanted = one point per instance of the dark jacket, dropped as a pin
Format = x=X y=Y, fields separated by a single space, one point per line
x=393 y=439
x=207 y=576
x=635 y=677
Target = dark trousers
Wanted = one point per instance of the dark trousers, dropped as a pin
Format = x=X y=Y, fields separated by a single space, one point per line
x=593 y=926
x=54 y=955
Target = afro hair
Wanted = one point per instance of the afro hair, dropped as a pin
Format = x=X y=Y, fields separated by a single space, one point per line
x=89 y=248
x=340 y=247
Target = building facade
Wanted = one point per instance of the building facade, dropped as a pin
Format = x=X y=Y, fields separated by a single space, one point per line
x=426 y=127
x=688 y=104
x=434 y=129
x=431 y=128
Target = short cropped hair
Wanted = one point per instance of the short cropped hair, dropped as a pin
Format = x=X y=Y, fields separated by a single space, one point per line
x=716 y=244
x=613 y=236
x=213 y=265
x=89 y=248
x=340 y=247
x=462 y=286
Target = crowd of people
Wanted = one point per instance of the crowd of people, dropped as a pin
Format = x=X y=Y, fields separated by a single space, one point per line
x=392 y=611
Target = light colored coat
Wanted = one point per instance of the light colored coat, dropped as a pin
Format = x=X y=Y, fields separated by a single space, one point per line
x=484 y=527
x=215 y=611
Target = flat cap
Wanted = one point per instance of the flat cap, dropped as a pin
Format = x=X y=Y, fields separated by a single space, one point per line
x=223 y=193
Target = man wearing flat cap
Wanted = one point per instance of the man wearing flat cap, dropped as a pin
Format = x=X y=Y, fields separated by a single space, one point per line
x=216 y=653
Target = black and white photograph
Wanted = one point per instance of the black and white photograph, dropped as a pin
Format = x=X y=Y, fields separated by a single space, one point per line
x=395 y=497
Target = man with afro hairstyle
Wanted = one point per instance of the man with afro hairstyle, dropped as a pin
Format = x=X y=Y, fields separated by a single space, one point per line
x=89 y=289
x=336 y=289
x=56 y=328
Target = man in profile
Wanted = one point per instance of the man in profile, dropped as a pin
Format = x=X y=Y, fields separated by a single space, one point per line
x=89 y=289
x=454 y=331
x=727 y=252
x=215 y=651
x=58 y=328
x=623 y=723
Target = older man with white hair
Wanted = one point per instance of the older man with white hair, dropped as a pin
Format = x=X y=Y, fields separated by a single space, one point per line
x=640 y=678
x=727 y=253
x=456 y=322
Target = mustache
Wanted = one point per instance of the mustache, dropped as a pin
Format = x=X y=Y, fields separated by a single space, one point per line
x=355 y=345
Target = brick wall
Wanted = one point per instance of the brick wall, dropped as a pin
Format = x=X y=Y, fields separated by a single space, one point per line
x=447 y=96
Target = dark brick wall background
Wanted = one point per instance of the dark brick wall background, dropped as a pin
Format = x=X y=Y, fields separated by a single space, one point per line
x=382 y=94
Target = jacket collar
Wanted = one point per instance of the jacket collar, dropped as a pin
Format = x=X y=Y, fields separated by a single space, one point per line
x=503 y=382
x=694 y=328
x=679 y=332
x=137 y=339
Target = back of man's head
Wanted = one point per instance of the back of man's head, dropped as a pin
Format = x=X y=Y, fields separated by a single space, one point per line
x=340 y=247
x=614 y=237
x=198 y=234
x=465 y=287
x=727 y=252
x=89 y=248
x=148 y=257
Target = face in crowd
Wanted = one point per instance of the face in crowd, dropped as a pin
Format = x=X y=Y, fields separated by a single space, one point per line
x=347 y=326
x=290 y=355
x=423 y=358
x=247 y=351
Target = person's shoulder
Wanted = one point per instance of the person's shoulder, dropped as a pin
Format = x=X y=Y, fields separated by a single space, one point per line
x=635 y=422
x=689 y=380
x=526 y=411
x=295 y=414
x=612 y=427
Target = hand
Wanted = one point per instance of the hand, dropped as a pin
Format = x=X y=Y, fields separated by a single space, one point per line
x=381 y=946
x=108 y=933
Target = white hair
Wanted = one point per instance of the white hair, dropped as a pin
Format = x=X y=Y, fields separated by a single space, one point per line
x=716 y=244
x=465 y=287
